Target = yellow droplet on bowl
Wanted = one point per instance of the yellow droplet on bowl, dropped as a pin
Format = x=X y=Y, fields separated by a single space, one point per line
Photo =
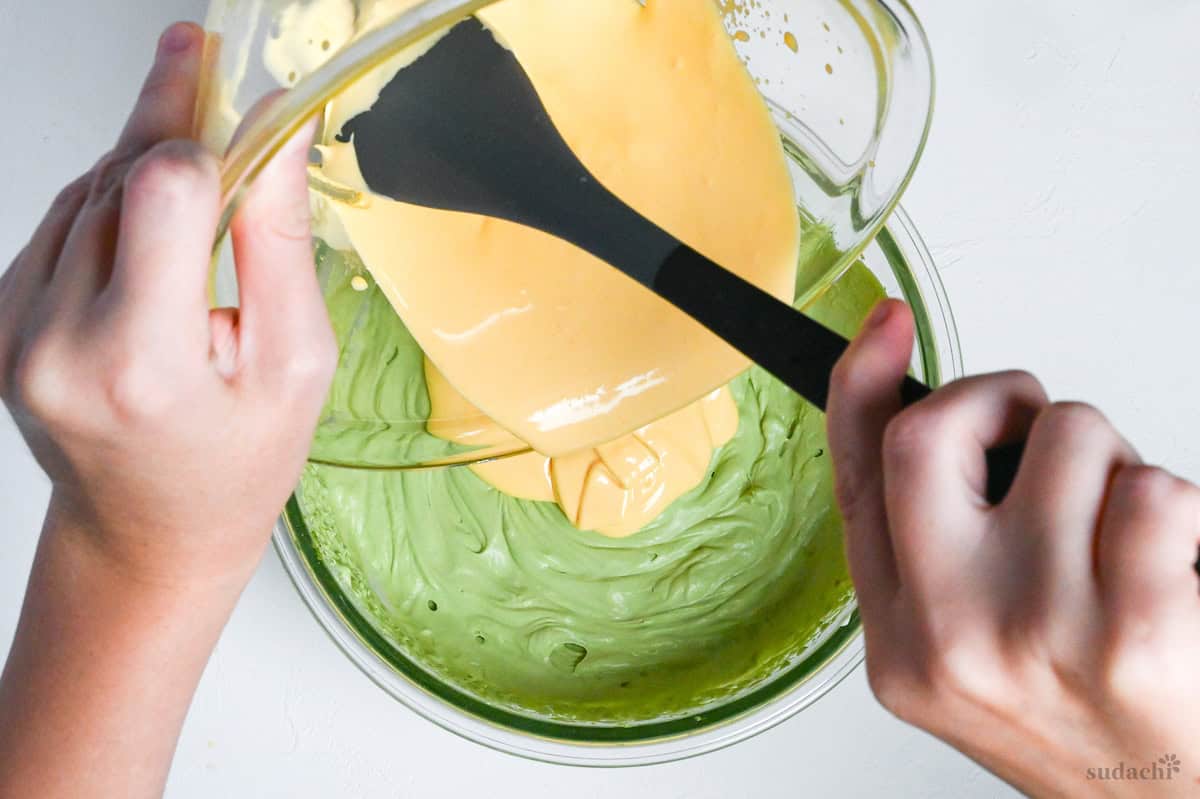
x=789 y=39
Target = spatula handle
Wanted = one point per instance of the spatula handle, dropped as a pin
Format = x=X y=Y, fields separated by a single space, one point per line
x=796 y=349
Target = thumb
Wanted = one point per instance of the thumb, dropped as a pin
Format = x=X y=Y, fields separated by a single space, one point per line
x=864 y=396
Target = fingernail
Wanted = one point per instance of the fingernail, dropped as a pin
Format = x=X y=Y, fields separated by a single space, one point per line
x=176 y=39
x=879 y=316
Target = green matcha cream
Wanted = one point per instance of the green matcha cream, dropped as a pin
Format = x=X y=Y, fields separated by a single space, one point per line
x=505 y=600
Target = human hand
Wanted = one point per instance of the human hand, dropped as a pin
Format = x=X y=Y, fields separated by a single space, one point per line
x=1051 y=637
x=172 y=434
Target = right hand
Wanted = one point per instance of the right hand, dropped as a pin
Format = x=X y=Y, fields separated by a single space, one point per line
x=1051 y=637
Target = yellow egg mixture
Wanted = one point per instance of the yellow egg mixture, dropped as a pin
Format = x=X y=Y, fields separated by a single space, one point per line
x=527 y=335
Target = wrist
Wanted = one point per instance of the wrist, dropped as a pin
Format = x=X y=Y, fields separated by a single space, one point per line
x=163 y=563
x=102 y=668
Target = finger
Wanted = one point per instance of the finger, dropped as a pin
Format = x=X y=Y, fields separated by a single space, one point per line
x=1055 y=505
x=169 y=215
x=85 y=264
x=1071 y=456
x=281 y=306
x=935 y=471
x=1146 y=550
x=864 y=395
x=25 y=280
x=163 y=111
x=167 y=102
x=945 y=437
x=35 y=265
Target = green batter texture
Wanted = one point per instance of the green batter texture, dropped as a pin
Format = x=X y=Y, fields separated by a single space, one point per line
x=502 y=598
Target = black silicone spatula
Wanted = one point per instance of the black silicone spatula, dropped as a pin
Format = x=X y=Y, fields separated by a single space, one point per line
x=463 y=129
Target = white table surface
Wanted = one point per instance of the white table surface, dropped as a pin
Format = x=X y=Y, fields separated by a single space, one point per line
x=1056 y=195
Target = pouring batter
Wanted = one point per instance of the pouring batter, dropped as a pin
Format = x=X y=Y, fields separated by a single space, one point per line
x=677 y=129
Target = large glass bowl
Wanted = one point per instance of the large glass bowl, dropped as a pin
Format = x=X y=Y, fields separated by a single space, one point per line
x=850 y=87
x=899 y=259
x=849 y=83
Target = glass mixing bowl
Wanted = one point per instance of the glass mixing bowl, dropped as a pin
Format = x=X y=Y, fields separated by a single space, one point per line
x=849 y=84
x=899 y=260
x=850 y=87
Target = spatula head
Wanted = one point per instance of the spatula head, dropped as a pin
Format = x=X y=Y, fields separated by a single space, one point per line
x=463 y=129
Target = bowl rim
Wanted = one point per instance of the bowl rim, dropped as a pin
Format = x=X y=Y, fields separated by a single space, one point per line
x=751 y=713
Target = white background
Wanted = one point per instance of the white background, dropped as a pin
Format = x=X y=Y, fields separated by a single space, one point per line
x=1057 y=196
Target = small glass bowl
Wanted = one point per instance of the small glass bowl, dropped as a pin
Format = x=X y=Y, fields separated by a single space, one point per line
x=901 y=262
x=849 y=83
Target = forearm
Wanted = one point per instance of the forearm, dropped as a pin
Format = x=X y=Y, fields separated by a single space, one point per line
x=101 y=672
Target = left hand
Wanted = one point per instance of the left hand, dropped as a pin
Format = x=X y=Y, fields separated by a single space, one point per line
x=172 y=434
